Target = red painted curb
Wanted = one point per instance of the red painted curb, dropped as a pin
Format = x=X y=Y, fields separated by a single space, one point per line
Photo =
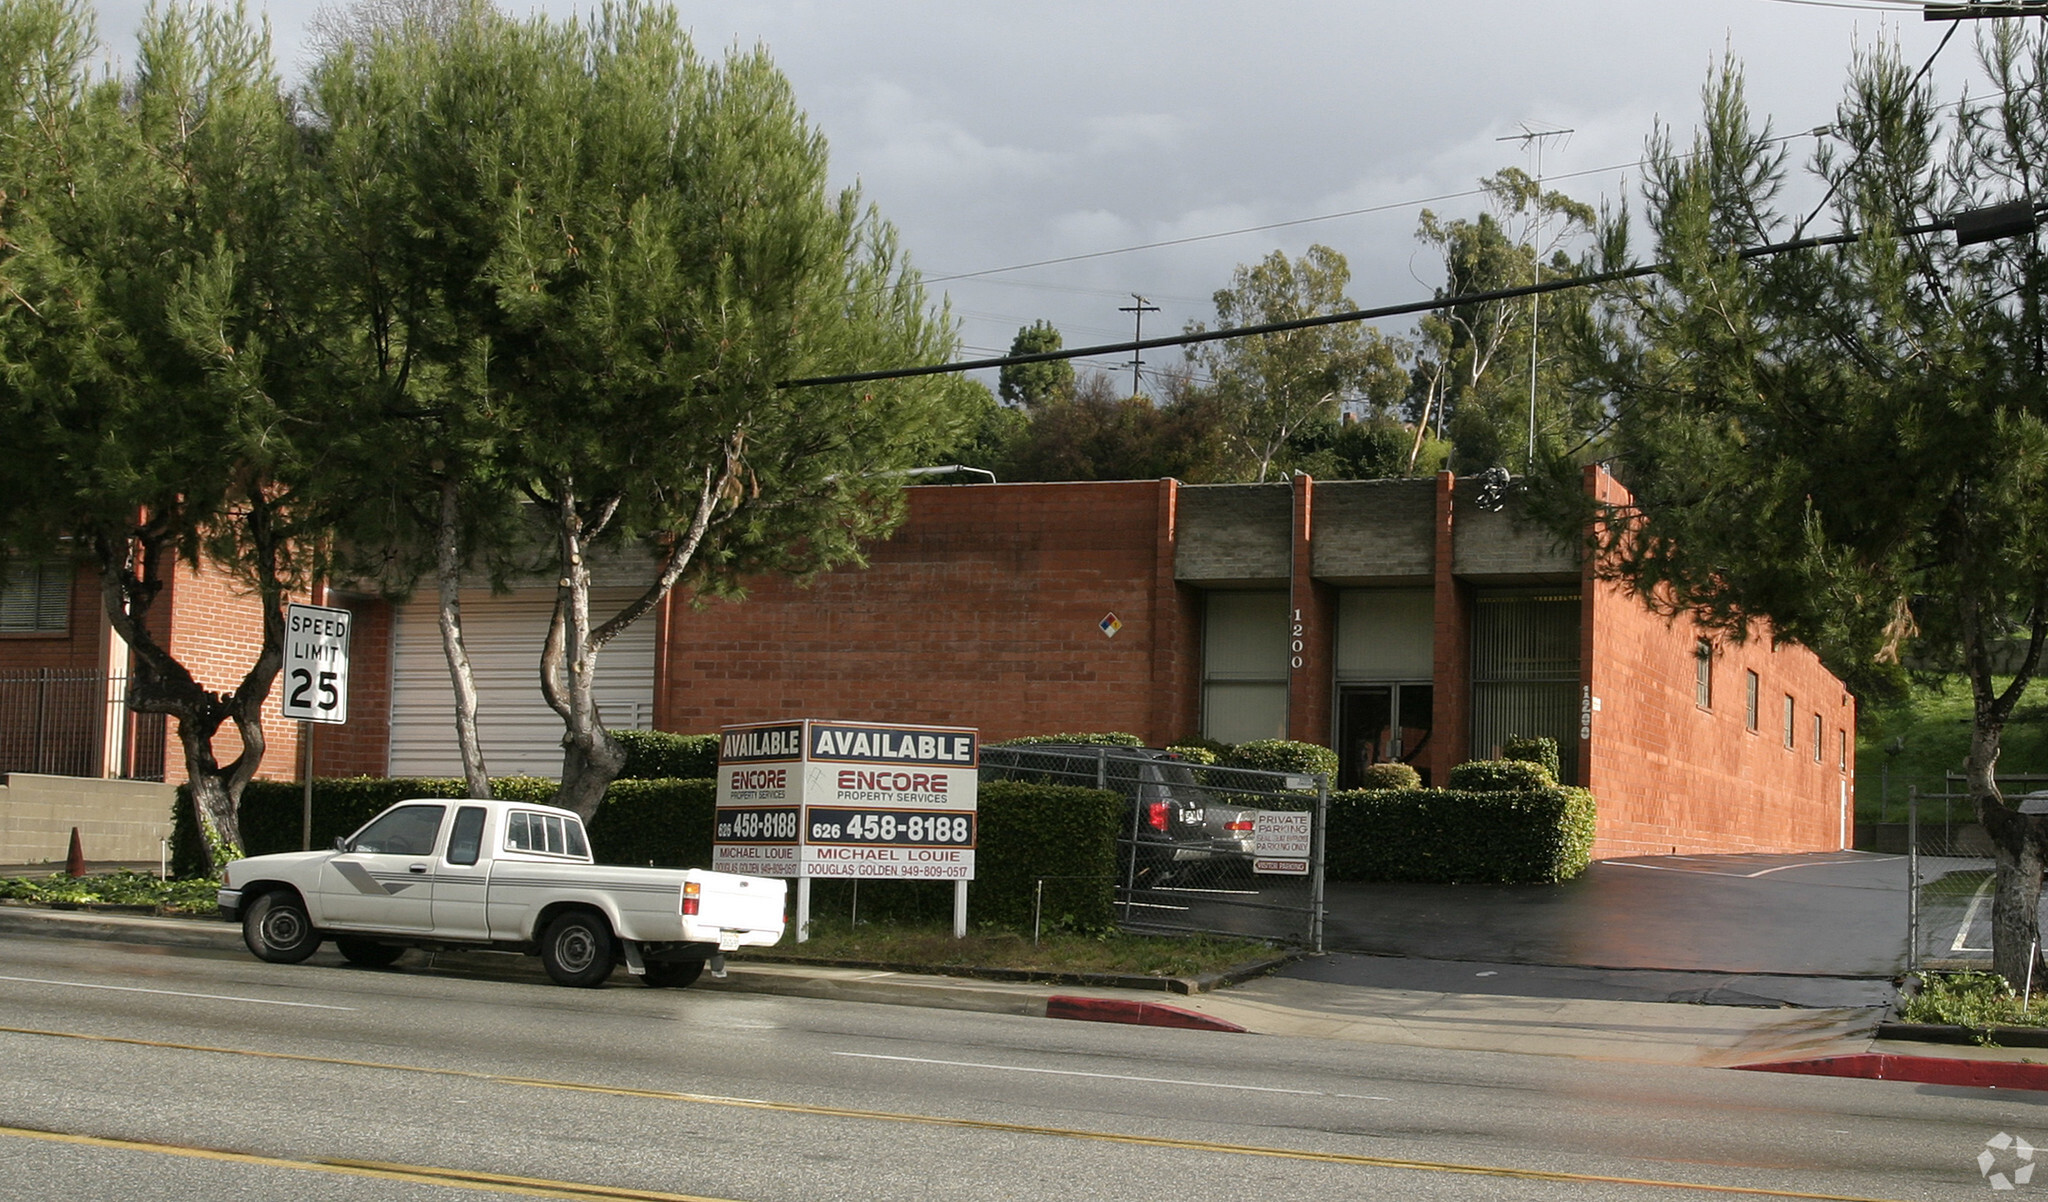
x=1144 y=1014
x=1926 y=1070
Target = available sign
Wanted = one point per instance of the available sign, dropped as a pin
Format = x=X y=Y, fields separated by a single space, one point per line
x=847 y=799
x=1280 y=842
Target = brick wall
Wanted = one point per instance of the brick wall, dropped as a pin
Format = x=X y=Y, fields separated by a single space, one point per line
x=1673 y=776
x=216 y=631
x=982 y=611
x=361 y=746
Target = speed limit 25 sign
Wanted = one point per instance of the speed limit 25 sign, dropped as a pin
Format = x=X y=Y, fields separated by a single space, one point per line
x=316 y=663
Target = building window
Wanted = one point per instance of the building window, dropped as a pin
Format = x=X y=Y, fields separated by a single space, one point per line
x=1749 y=701
x=1703 y=674
x=1842 y=750
x=1817 y=729
x=1525 y=671
x=1244 y=666
x=1791 y=724
x=35 y=597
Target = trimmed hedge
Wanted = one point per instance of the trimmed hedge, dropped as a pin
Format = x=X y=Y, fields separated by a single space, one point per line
x=1112 y=738
x=1460 y=836
x=659 y=755
x=1282 y=755
x=1489 y=776
x=1535 y=749
x=1389 y=774
x=1065 y=834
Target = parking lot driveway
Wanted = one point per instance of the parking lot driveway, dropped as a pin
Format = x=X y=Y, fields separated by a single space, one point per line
x=1833 y=914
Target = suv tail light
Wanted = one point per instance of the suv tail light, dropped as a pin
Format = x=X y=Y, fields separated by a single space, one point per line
x=1155 y=815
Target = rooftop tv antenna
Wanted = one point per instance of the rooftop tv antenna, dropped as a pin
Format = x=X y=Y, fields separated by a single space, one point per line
x=1532 y=138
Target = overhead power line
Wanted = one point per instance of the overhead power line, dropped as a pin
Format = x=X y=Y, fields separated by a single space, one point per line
x=1972 y=226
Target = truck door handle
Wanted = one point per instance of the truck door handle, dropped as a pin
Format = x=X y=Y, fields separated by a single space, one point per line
x=417 y=868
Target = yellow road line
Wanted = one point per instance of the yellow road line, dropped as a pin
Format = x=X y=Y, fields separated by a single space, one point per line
x=497 y=1183
x=885 y=1116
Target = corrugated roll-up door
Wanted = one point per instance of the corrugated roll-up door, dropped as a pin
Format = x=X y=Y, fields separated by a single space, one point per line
x=1525 y=672
x=521 y=736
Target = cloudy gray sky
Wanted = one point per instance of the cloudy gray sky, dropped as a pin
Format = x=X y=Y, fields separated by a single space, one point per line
x=998 y=136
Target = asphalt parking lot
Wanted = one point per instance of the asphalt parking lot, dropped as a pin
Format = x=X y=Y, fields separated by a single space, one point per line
x=1823 y=929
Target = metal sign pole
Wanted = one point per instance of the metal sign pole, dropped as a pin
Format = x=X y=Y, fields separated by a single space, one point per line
x=1912 y=878
x=306 y=820
x=1318 y=852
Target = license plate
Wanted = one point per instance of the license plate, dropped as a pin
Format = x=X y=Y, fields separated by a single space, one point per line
x=728 y=941
x=1191 y=817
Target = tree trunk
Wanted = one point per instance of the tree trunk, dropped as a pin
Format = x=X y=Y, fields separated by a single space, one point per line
x=448 y=573
x=2017 y=840
x=591 y=758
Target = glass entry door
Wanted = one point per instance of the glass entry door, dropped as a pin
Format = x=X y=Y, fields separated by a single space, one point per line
x=1377 y=723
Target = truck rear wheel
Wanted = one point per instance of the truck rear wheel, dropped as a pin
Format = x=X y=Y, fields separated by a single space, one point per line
x=672 y=974
x=278 y=929
x=577 y=949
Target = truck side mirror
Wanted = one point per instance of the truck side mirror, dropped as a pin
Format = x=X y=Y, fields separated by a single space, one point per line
x=341 y=843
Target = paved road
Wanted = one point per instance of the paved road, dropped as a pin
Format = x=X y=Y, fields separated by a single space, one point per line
x=203 y=1074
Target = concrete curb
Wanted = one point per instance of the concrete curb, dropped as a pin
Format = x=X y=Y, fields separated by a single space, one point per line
x=1143 y=1014
x=1924 y=1070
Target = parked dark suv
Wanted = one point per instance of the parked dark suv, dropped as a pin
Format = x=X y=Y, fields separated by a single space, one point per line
x=1176 y=822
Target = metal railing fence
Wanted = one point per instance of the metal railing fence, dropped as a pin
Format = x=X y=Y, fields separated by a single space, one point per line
x=54 y=721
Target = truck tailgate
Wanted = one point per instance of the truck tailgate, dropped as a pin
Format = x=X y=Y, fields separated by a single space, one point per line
x=745 y=910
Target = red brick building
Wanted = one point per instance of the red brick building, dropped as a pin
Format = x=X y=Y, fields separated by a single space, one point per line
x=1388 y=619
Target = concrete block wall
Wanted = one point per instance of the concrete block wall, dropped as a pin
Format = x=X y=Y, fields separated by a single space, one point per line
x=115 y=819
x=984 y=610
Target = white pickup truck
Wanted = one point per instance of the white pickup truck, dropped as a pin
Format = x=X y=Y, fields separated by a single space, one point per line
x=499 y=875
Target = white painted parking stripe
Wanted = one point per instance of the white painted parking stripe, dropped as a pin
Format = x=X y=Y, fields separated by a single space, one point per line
x=1977 y=901
x=1744 y=875
x=1067 y=1072
x=206 y=997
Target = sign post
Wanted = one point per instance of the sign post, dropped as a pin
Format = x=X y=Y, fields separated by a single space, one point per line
x=315 y=682
x=859 y=800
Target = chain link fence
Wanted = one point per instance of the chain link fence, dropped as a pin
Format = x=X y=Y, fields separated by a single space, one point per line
x=1225 y=851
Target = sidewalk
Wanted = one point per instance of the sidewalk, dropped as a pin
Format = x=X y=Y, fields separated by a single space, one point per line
x=1657 y=1032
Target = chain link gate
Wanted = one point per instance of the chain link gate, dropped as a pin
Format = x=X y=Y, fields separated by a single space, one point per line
x=1224 y=851
x=1950 y=874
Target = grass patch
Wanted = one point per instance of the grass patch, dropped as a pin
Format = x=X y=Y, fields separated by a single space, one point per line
x=934 y=949
x=124 y=888
x=1976 y=1000
x=1933 y=721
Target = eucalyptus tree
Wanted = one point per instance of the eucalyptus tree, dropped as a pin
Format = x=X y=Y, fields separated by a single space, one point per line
x=1479 y=374
x=1276 y=384
x=1847 y=443
x=637 y=249
x=155 y=351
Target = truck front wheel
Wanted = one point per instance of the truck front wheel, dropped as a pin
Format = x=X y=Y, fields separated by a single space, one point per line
x=278 y=929
x=577 y=949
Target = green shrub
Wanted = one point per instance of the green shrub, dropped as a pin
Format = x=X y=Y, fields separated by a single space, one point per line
x=1282 y=755
x=273 y=811
x=659 y=755
x=1534 y=749
x=1392 y=774
x=659 y=823
x=1112 y=738
x=1460 y=836
x=1028 y=830
x=1197 y=754
x=1485 y=776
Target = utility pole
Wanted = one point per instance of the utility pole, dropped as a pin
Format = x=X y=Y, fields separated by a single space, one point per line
x=1534 y=137
x=1137 y=313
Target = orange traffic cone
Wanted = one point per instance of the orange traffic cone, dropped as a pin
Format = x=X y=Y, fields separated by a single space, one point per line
x=74 y=863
